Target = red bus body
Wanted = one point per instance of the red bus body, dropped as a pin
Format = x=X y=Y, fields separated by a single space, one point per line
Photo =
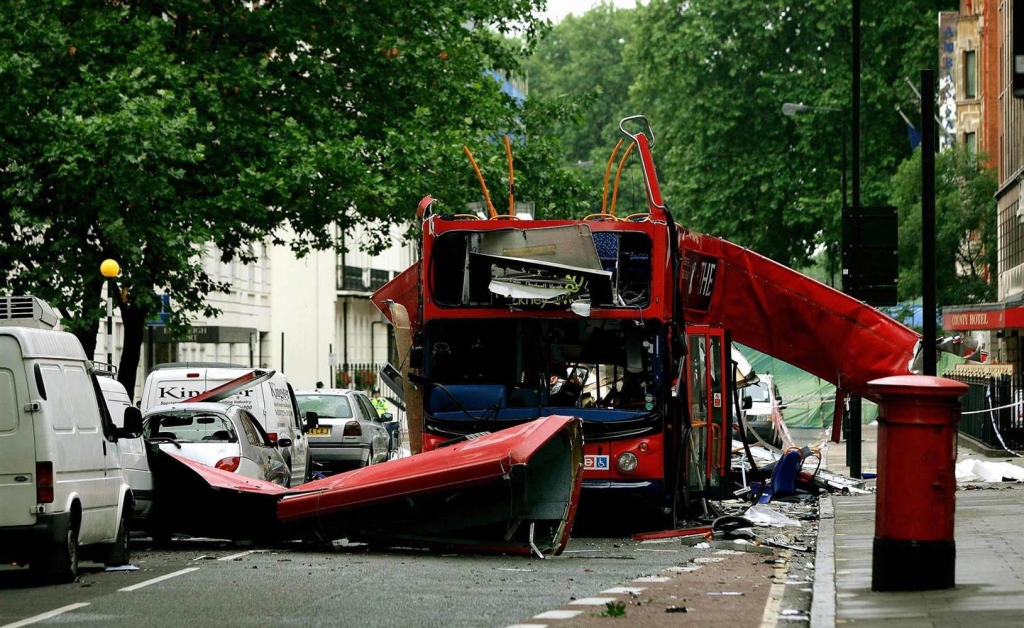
x=483 y=349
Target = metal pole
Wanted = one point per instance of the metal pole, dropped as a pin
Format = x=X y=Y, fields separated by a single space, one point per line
x=853 y=450
x=109 y=342
x=928 y=220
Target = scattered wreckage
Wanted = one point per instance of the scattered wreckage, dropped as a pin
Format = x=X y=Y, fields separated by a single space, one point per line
x=626 y=322
x=510 y=326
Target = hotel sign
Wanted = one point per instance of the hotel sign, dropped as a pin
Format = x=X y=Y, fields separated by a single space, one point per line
x=959 y=318
x=973 y=320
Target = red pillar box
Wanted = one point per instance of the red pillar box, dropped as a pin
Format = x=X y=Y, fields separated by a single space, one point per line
x=914 y=548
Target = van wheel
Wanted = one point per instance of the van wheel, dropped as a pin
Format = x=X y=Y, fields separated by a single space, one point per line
x=59 y=563
x=121 y=552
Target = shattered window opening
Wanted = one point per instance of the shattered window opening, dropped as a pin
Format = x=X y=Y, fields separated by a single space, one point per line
x=190 y=426
x=551 y=268
x=505 y=365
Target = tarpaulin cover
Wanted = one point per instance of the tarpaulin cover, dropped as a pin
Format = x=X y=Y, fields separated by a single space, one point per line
x=794 y=318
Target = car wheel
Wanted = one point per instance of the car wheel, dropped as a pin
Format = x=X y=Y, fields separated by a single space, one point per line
x=369 y=458
x=309 y=468
x=121 y=552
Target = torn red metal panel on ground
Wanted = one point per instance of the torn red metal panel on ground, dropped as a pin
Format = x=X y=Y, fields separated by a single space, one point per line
x=793 y=318
x=511 y=491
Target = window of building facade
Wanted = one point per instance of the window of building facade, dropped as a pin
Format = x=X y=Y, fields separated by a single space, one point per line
x=970 y=74
x=971 y=142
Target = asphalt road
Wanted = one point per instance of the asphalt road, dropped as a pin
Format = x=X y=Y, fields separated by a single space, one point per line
x=211 y=583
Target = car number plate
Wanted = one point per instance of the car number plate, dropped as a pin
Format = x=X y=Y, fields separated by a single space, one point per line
x=320 y=431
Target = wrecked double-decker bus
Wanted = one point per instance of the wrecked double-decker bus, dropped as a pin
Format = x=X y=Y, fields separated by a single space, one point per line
x=625 y=323
x=506 y=321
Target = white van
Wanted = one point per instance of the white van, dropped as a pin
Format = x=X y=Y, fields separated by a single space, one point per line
x=62 y=489
x=272 y=402
x=134 y=462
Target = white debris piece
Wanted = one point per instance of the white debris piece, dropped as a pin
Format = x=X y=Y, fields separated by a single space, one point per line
x=761 y=515
x=974 y=470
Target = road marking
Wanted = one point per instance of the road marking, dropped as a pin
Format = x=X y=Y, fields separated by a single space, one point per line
x=651 y=579
x=558 y=614
x=527 y=626
x=593 y=601
x=46 y=615
x=683 y=569
x=241 y=554
x=138 y=586
x=622 y=590
x=770 y=618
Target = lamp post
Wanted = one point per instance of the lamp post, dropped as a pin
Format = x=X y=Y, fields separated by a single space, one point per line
x=110 y=269
x=795 y=109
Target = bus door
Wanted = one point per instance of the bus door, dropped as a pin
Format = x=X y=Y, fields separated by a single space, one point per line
x=709 y=399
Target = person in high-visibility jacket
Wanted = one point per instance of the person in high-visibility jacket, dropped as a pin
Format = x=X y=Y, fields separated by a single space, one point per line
x=378 y=403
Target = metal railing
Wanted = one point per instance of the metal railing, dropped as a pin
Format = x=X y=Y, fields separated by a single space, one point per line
x=991 y=403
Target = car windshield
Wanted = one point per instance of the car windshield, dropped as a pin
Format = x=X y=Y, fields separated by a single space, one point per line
x=189 y=426
x=759 y=392
x=326 y=406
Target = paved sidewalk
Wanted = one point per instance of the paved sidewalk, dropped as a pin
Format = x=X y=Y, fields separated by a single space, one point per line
x=989 y=565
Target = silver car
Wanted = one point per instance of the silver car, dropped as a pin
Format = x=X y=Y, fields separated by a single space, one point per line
x=349 y=433
x=221 y=436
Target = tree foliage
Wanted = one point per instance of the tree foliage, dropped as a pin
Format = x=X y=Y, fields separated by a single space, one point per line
x=141 y=130
x=714 y=75
x=965 y=228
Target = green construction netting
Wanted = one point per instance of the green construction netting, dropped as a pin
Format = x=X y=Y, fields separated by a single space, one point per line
x=808 y=400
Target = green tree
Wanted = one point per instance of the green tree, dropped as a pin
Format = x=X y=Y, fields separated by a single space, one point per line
x=965 y=227
x=581 y=59
x=144 y=130
x=713 y=75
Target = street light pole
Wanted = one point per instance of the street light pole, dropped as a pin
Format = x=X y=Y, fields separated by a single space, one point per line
x=110 y=269
x=853 y=437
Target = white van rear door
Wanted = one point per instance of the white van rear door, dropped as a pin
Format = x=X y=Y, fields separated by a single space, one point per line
x=17 y=440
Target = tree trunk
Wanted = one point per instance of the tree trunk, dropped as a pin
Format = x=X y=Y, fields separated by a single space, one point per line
x=86 y=331
x=134 y=320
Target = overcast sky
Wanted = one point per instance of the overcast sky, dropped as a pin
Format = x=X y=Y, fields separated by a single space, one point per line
x=557 y=9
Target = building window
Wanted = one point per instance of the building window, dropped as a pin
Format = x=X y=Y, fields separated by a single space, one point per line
x=970 y=74
x=351 y=278
x=378 y=278
x=971 y=142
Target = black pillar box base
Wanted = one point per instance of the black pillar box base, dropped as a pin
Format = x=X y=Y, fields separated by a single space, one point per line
x=898 y=565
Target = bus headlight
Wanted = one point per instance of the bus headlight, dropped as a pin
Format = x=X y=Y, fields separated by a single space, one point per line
x=626 y=462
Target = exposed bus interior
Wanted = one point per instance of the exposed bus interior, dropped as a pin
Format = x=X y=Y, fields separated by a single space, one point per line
x=480 y=371
x=541 y=267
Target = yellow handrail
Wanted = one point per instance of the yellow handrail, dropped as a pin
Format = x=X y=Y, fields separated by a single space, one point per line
x=618 y=175
x=483 y=185
x=607 y=175
x=511 y=180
